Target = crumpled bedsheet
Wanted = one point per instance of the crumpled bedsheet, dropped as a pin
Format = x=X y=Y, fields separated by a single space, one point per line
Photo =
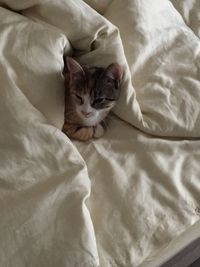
x=120 y=200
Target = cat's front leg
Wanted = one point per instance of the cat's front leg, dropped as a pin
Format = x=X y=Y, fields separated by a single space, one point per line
x=77 y=132
x=98 y=131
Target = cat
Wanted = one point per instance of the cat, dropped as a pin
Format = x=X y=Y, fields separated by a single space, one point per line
x=90 y=93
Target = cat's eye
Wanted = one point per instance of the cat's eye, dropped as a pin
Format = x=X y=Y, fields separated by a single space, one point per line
x=98 y=101
x=110 y=99
x=79 y=98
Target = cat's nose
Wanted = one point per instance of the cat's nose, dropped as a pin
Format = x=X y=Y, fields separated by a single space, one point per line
x=86 y=113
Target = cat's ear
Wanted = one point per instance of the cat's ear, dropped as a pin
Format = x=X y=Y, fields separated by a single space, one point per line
x=114 y=71
x=73 y=66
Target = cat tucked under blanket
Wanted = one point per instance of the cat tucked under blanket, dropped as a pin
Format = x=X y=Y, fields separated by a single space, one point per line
x=90 y=93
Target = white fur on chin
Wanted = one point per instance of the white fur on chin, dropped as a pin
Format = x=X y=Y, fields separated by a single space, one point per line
x=95 y=119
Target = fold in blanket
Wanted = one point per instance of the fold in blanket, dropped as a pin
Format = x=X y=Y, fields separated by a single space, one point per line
x=119 y=200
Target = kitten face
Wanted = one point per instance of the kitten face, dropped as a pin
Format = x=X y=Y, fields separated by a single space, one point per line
x=93 y=90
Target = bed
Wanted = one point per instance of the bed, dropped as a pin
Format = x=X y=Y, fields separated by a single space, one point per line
x=132 y=197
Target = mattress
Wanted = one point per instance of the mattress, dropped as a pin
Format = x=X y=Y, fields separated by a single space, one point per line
x=130 y=198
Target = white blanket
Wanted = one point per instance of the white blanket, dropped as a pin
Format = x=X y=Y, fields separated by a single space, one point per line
x=120 y=200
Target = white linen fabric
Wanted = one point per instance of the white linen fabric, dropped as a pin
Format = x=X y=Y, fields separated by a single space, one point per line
x=118 y=201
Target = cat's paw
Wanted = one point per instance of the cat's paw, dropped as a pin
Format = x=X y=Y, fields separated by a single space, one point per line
x=98 y=131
